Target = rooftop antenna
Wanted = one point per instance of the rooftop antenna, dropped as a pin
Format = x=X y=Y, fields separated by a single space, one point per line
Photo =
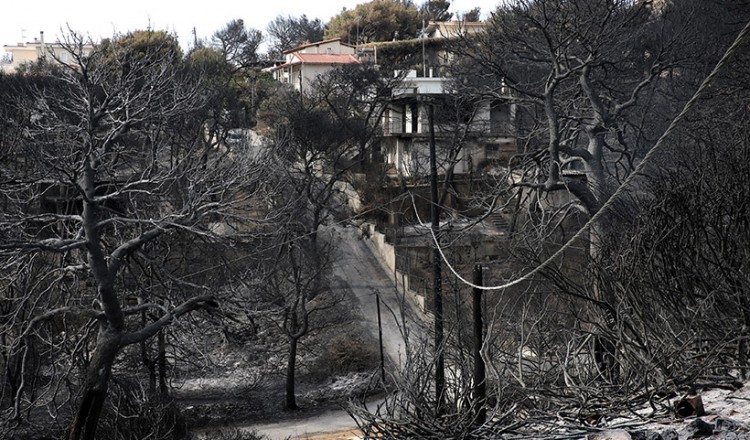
x=23 y=35
x=423 y=37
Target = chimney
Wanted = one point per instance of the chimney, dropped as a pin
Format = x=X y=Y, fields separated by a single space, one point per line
x=42 y=47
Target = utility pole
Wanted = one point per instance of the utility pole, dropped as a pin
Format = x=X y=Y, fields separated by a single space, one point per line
x=380 y=336
x=436 y=267
x=424 y=57
x=480 y=382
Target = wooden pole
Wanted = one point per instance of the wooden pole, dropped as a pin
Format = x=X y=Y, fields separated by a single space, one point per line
x=480 y=382
x=436 y=267
x=380 y=336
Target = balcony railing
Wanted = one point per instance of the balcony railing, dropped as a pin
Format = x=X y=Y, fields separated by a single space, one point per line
x=394 y=126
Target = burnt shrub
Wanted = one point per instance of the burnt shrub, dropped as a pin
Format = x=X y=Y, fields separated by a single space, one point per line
x=344 y=354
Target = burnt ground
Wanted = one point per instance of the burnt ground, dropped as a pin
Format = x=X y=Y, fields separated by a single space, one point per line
x=336 y=366
x=209 y=409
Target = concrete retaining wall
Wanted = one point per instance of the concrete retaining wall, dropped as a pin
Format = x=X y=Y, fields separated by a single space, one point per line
x=387 y=254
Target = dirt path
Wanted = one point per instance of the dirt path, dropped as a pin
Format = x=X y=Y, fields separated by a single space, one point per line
x=328 y=425
x=358 y=271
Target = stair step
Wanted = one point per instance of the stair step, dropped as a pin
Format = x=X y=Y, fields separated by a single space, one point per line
x=498 y=220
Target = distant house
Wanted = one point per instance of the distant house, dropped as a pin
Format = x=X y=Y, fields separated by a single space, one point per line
x=487 y=128
x=305 y=63
x=490 y=128
x=452 y=29
x=32 y=51
x=490 y=125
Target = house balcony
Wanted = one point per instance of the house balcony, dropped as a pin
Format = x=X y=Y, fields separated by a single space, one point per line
x=493 y=128
x=397 y=126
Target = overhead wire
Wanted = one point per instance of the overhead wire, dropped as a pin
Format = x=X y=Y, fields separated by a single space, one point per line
x=607 y=205
x=620 y=190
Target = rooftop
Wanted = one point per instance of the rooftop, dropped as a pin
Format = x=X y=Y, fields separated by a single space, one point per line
x=317 y=43
x=320 y=58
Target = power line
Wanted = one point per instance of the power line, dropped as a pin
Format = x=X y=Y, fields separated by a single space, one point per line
x=620 y=190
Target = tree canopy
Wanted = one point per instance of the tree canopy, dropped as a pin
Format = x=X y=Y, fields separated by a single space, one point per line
x=377 y=20
x=144 y=44
x=436 y=10
x=238 y=44
x=472 y=15
x=109 y=172
x=289 y=32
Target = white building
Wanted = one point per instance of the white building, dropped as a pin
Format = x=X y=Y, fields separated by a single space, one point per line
x=486 y=131
x=32 y=51
x=305 y=63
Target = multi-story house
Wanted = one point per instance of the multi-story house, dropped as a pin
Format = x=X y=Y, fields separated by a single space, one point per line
x=32 y=51
x=477 y=138
x=452 y=29
x=481 y=134
x=305 y=63
x=470 y=138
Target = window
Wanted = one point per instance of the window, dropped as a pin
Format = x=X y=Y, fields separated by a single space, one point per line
x=414 y=109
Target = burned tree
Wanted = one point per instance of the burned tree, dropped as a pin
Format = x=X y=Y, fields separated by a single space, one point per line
x=321 y=138
x=111 y=161
x=583 y=75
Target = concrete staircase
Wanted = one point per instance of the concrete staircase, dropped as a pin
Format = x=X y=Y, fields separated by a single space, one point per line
x=499 y=221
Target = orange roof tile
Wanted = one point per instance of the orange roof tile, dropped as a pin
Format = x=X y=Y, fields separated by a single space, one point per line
x=326 y=58
x=320 y=58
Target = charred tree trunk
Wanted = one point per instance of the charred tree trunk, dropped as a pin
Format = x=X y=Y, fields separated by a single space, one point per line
x=162 y=359
x=146 y=359
x=94 y=390
x=291 y=400
x=480 y=384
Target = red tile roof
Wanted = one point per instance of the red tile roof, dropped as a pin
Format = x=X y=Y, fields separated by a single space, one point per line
x=326 y=58
x=320 y=58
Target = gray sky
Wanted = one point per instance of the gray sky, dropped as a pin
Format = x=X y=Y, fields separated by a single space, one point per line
x=102 y=19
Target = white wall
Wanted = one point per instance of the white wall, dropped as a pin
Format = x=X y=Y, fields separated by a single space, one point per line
x=309 y=73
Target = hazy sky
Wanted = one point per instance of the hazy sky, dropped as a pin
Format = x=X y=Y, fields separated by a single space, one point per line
x=103 y=18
